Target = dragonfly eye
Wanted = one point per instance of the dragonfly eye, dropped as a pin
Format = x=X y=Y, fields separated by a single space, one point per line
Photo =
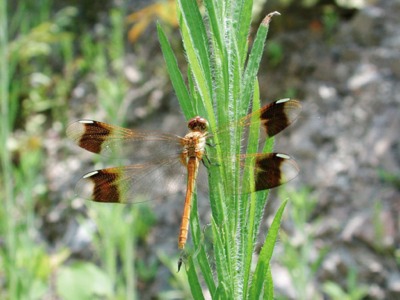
x=198 y=124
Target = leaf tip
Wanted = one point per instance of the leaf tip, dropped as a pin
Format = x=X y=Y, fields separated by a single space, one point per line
x=268 y=18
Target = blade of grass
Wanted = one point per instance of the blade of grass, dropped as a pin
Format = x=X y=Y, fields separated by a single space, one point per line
x=248 y=203
x=222 y=266
x=216 y=26
x=264 y=258
x=199 y=64
x=221 y=292
x=194 y=283
x=219 y=58
x=198 y=59
x=201 y=89
x=192 y=19
x=253 y=63
x=222 y=88
x=244 y=15
x=201 y=257
x=6 y=163
x=269 y=285
x=175 y=74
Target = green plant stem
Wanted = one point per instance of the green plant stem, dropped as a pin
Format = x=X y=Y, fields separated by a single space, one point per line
x=6 y=163
x=222 y=86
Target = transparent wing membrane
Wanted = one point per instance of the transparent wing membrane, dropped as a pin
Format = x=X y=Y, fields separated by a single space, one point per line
x=164 y=173
x=261 y=171
x=275 y=116
x=113 y=141
x=134 y=183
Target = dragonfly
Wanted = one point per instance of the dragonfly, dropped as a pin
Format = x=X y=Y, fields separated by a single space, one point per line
x=175 y=155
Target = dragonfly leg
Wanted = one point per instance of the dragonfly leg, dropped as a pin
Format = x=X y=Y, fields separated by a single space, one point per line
x=211 y=144
x=183 y=257
x=209 y=162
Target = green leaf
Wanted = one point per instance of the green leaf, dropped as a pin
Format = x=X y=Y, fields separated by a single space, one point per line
x=216 y=25
x=265 y=255
x=221 y=258
x=198 y=240
x=198 y=37
x=195 y=43
x=221 y=88
x=175 y=75
x=253 y=63
x=243 y=13
x=194 y=283
x=83 y=281
x=250 y=204
x=269 y=286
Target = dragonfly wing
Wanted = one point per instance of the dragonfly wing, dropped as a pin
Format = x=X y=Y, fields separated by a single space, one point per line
x=269 y=170
x=275 y=116
x=134 y=183
x=114 y=141
x=259 y=171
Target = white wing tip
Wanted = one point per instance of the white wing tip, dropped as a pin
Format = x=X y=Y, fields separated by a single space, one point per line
x=283 y=100
x=90 y=174
x=284 y=156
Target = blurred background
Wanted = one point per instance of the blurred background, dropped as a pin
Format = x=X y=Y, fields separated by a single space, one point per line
x=70 y=59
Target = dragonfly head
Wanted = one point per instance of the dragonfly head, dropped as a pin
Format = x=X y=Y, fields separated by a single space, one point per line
x=198 y=124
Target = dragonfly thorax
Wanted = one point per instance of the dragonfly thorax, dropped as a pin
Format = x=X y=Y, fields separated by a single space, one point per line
x=193 y=145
